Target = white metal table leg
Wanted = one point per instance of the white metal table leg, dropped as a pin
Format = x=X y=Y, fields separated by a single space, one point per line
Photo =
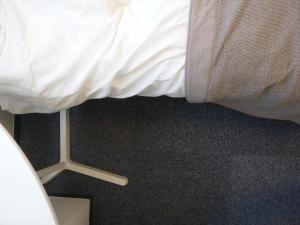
x=66 y=163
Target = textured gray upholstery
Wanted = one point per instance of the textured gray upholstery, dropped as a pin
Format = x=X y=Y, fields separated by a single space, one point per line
x=255 y=63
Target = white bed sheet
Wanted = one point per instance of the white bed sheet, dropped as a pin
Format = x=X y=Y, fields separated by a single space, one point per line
x=55 y=54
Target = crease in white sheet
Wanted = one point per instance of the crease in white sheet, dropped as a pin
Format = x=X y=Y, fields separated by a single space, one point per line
x=58 y=53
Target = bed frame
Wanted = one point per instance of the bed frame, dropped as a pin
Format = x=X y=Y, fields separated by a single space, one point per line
x=66 y=163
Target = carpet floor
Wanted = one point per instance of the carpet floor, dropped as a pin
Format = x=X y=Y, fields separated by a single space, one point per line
x=187 y=164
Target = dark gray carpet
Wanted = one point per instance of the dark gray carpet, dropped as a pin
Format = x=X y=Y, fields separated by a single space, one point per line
x=187 y=164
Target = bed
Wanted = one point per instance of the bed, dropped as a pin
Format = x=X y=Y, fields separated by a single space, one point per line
x=241 y=54
x=55 y=54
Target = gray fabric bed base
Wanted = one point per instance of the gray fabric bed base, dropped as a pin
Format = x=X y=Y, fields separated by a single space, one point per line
x=246 y=56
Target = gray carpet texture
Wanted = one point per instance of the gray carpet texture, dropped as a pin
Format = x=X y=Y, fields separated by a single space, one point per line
x=187 y=164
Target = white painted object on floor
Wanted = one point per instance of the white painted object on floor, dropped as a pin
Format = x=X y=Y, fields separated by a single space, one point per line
x=23 y=200
x=66 y=163
x=47 y=174
x=71 y=211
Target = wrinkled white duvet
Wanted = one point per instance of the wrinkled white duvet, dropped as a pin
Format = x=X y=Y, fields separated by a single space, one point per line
x=55 y=54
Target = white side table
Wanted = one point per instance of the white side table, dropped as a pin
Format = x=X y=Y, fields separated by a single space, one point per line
x=23 y=199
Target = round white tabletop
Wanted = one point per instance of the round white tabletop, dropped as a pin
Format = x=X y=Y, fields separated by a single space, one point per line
x=23 y=200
